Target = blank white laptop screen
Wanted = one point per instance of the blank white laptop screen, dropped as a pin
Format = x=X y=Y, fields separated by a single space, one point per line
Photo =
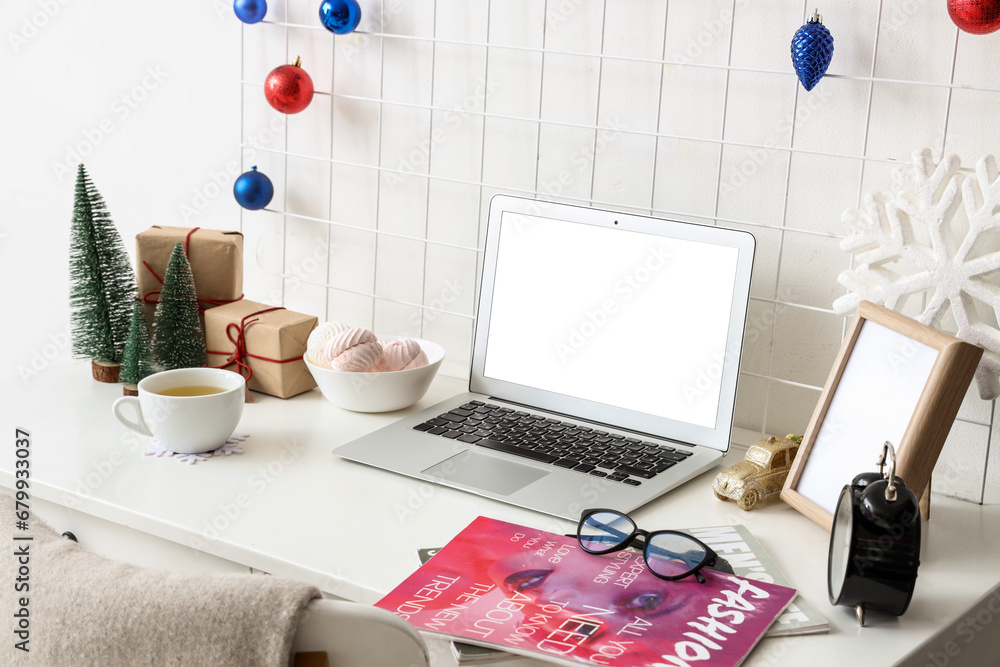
x=612 y=316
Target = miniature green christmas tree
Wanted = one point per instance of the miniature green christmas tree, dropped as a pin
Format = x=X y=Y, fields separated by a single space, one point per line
x=102 y=283
x=178 y=340
x=136 y=360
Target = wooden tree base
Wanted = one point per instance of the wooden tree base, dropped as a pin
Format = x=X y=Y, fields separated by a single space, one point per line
x=105 y=371
x=130 y=389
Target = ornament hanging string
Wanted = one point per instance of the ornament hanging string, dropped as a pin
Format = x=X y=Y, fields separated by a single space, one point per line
x=153 y=296
x=237 y=336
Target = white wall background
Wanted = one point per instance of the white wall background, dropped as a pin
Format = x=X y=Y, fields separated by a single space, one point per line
x=688 y=110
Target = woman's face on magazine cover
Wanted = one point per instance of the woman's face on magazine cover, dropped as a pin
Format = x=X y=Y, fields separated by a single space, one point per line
x=547 y=583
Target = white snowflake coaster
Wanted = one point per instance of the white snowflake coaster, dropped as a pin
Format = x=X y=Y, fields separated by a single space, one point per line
x=191 y=459
x=158 y=449
x=934 y=245
x=231 y=446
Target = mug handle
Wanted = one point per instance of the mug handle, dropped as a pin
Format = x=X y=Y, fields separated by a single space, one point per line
x=139 y=425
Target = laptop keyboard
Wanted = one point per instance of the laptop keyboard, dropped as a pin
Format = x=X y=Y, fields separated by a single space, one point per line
x=586 y=450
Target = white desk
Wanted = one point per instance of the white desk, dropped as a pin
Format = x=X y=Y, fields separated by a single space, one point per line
x=290 y=508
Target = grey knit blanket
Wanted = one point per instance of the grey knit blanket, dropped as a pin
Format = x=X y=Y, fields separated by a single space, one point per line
x=69 y=607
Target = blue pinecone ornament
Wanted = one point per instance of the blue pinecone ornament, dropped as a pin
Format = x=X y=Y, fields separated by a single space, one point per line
x=812 y=51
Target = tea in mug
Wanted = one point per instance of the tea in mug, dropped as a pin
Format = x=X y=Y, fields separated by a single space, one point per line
x=191 y=390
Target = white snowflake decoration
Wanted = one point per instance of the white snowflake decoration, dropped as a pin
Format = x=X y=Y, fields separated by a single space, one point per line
x=231 y=446
x=158 y=449
x=191 y=459
x=913 y=244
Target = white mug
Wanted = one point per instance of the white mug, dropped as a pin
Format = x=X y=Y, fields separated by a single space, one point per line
x=186 y=424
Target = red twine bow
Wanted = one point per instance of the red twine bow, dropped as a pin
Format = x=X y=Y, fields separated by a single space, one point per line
x=237 y=336
x=153 y=296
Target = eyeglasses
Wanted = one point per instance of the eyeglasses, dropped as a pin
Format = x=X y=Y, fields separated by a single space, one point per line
x=669 y=554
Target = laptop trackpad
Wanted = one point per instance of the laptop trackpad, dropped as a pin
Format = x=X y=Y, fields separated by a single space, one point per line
x=482 y=471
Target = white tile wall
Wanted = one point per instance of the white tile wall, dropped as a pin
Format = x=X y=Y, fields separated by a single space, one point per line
x=685 y=110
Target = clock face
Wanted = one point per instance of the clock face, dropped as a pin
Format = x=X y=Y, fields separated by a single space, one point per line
x=840 y=545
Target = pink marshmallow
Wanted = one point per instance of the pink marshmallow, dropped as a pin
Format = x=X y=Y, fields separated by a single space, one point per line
x=356 y=350
x=401 y=354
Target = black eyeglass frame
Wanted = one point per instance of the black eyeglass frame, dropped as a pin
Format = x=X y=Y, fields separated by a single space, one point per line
x=644 y=536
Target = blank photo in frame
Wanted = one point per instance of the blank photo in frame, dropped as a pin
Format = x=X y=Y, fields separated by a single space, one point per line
x=894 y=379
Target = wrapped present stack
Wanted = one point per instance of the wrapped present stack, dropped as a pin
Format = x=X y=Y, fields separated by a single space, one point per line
x=265 y=344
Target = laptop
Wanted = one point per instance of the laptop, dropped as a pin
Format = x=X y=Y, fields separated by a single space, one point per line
x=600 y=336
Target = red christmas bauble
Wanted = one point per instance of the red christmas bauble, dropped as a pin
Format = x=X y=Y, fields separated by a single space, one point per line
x=976 y=16
x=289 y=88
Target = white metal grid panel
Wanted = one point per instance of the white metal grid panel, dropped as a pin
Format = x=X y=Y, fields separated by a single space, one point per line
x=689 y=111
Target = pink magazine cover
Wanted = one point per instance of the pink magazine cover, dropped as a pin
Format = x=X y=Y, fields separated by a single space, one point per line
x=536 y=593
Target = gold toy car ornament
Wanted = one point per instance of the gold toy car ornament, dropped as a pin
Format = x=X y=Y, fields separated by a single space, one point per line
x=760 y=474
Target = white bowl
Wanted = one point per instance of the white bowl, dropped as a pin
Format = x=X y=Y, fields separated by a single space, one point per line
x=378 y=392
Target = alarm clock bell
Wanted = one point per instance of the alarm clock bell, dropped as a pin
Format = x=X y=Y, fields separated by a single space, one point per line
x=875 y=542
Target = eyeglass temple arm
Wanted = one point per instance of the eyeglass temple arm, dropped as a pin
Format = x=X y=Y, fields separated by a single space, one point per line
x=596 y=538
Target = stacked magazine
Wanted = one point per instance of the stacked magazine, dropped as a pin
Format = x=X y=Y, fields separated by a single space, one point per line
x=747 y=557
x=530 y=592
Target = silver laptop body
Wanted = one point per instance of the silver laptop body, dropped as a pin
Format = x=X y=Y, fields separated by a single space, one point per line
x=619 y=324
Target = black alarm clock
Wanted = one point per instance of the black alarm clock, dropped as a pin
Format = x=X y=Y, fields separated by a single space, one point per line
x=875 y=542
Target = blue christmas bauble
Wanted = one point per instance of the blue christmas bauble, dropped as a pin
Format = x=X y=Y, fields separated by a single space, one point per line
x=812 y=51
x=253 y=190
x=340 y=16
x=250 y=11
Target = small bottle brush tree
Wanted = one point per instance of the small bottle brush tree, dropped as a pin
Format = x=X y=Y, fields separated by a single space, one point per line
x=102 y=283
x=178 y=340
x=136 y=360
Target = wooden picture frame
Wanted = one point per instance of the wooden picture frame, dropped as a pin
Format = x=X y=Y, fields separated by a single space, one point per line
x=894 y=380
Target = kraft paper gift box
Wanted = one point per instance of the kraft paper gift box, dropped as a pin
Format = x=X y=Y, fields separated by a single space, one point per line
x=265 y=342
x=216 y=259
